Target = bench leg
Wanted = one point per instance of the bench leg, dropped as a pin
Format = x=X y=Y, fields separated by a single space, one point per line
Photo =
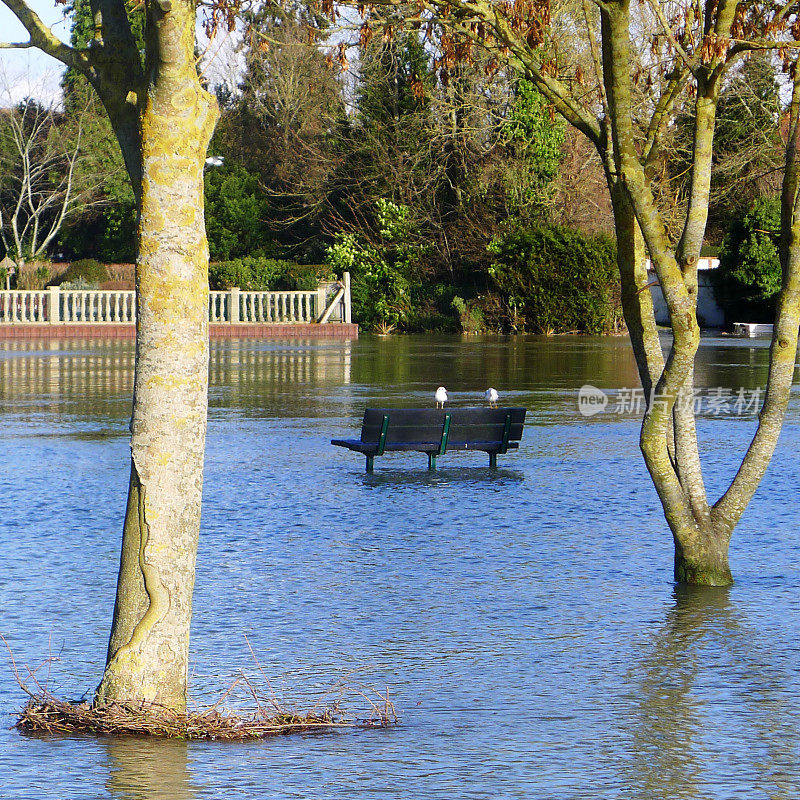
x=370 y=463
x=431 y=460
x=493 y=460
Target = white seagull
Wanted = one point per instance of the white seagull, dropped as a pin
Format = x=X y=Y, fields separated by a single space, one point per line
x=492 y=397
x=441 y=397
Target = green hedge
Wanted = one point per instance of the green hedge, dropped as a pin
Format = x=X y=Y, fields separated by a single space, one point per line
x=87 y=271
x=255 y=274
x=749 y=276
x=236 y=211
x=556 y=280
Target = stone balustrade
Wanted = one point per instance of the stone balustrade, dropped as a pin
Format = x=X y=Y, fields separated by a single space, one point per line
x=329 y=303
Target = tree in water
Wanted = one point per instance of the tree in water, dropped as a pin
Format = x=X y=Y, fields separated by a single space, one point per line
x=163 y=119
x=621 y=78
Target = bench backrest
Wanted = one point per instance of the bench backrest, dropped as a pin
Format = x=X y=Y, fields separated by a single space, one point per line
x=428 y=425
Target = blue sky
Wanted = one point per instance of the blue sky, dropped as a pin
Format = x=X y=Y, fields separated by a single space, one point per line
x=30 y=72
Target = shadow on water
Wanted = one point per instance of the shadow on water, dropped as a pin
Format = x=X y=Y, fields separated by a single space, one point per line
x=469 y=476
x=149 y=769
x=710 y=701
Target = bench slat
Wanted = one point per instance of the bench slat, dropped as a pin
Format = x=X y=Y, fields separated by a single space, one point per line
x=436 y=431
x=420 y=447
x=425 y=425
x=429 y=416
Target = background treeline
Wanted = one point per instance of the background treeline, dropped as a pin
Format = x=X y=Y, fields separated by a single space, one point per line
x=454 y=195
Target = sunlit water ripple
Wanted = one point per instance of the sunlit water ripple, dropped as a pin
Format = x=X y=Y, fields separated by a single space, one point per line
x=524 y=619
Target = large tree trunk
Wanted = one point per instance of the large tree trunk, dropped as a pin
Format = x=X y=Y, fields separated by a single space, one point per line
x=668 y=439
x=148 y=649
x=701 y=557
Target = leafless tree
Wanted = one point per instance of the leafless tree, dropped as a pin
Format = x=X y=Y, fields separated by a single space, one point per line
x=40 y=153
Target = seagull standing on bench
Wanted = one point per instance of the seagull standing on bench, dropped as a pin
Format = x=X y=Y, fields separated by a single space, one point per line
x=441 y=397
x=492 y=397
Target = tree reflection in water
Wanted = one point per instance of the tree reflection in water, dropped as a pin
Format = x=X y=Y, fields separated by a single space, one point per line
x=141 y=768
x=713 y=708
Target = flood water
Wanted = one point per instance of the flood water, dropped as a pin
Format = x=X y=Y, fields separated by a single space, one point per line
x=524 y=619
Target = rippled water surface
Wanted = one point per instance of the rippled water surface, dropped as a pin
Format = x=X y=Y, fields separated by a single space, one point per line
x=524 y=619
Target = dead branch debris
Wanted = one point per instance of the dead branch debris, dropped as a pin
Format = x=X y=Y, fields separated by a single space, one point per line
x=46 y=714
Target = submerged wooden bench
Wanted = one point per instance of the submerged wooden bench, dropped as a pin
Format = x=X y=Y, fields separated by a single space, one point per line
x=436 y=431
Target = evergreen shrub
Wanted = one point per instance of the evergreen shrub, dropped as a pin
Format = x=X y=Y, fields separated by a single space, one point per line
x=88 y=271
x=236 y=211
x=749 y=276
x=557 y=280
x=257 y=274
x=386 y=272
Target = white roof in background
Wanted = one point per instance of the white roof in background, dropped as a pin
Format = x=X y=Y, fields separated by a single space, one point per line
x=703 y=263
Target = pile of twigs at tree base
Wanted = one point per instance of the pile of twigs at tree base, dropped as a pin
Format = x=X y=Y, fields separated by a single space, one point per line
x=45 y=714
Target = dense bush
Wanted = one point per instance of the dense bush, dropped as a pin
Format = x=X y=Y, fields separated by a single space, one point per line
x=236 y=212
x=380 y=289
x=109 y=236
x=749 y=276
x=87 y=270
x=432 y=307
x=555 y=279
x=470 y=315
x=384 y=273
x=254 y=274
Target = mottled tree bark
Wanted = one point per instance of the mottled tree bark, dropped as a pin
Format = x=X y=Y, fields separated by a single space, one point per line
x=163 y=119
x=148 y=648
